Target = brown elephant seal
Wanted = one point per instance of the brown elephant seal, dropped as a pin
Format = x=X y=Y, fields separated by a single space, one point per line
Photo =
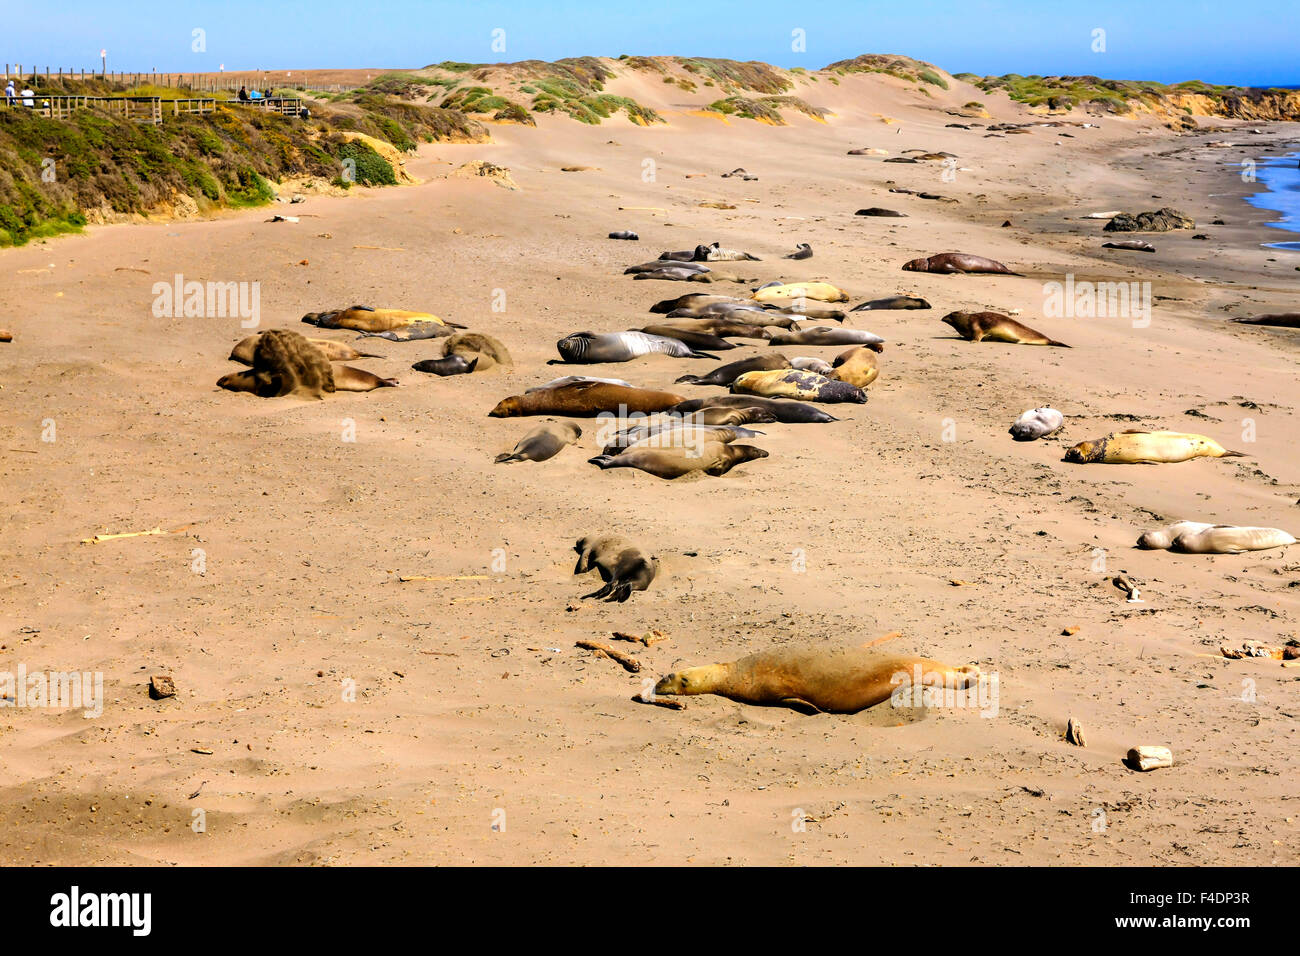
x=949 y=263
x=995 y=327
x=802 y=309
x=786 y=411
x=797 y=384
x=451 y=365
x=1190 y=537
x=693 y=338
x=893 y=302
x=811 y=680
x=471 y=345
x=670 y=435
x=1282 y=320
x=713 y=458
x=1139 y=447
x=284 y=363
x=586 y=400
x=801 y=251
x=719 y=325
x=363 y=318
x=857 y=366
x=825 y=335
x=542 y=443
x=595 y=347
x=334 y=351
x=6 y=335
x=622 y=566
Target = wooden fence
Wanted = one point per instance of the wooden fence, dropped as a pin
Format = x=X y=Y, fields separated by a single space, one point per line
x=199 y=82
x=147 y=109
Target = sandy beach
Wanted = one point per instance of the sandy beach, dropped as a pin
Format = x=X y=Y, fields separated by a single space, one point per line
x=479 y=734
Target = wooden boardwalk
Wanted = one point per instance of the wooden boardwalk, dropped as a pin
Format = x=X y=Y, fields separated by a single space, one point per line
x=148 y=109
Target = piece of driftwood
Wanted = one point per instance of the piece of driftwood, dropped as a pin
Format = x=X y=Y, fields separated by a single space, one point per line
x=629 y=663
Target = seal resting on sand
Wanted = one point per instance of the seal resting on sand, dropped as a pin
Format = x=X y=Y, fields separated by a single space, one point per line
x=949 y=263
x=475 y=345
x=802 y=251
x=285 y=363
x=857 y=366
x=621 y=564
x=592 y=347
x=542 y=443
x=451 y=365
x=1139 y=447
x=1037 y=423
x=893 y=302
x=785 y=410
x=362 y=318
x=1193 y=537
x=710 y=457
x=1282 y=320
x=814 y=680
x=995 y=327
x=797 y=384
x=821 y=291
x=586 y=399
x=334 y=351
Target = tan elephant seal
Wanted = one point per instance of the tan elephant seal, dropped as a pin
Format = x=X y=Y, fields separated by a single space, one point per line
x=995 y=327
x=948 y=263
x=284 y=363
x=362 y=318
x=713 y=458
x=820 y=291
x=797 y=384
x=334 y=351
x=622 y=566
x=543 y=443
x=1138 y=447
x=857 y=366
x=1192 y=537
x=836 y=681
x=586 y=400
x=476 y=345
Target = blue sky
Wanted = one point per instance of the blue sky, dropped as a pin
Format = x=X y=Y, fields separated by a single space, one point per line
x=1249 y=43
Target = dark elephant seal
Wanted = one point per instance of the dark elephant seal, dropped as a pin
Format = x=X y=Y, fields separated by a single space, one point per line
x=784 y=410
x=1281 y=320
x=624 y=234
x=451 y=365
x=817 y=680
x=542 y=443
x=949 y=263
x=470 y=345
x=722 y=326
x=881 y=212
x=413 y=333
x=726 y=374
x=995 y=327
x=684 y=255
x=593 y=347
x=893 y=302
x=661 y=264
x=285 y=363
x=695 y=338
x=712 y=458
x=622 y=566
x=586 y=400
x=802 y=251
x=825 y=335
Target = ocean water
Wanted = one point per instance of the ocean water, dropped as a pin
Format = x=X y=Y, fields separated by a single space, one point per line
x=1280 y=177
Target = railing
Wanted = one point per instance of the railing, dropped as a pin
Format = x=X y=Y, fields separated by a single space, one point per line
x=284 y=105
x=147 y=109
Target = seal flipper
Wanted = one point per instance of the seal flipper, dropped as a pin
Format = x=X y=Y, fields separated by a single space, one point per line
x=603 y=461
x=695 y=354
x=619 y=593
x=801 y=705
x=609 y=586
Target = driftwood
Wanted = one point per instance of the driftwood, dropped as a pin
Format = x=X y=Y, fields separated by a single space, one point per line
x=629 y=663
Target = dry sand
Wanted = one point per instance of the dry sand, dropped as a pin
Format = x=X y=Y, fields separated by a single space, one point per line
x=473 y=707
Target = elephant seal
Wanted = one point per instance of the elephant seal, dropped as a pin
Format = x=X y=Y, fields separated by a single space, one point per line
x=784 y=410
x=825 y=335
x=948 y=263
x=811 y=680
x=715 y=253
x=476 y=345
x=881 y=212
x=284 y=363
x=685 y=255
x=693 y=338
x=669 y=435
x=806 y=363
x=1137 y=245
x=1162 y=538
x=821 y=291
x=661 y=264
x=1037 y=423
x=363 y=318
x=1282 y=320
x=719 y=325
x=349 y=379
x=979 y=326
x=713 y=458
x=624 y=234
x=333 y=351
x=757 y=317
x=801 y=309
x=6 y=335
x=622 y=566
x=542 y=443
x=801 y=251
x=413 y=333
x=451 y=365
x=857 y=366
x=594 y=347
x=1222 y=539
x=586 y=400
x=793 y=383
x=1139 y=447
x=570 y=379
x=893 y=302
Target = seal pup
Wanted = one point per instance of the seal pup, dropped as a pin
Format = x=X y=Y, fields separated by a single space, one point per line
x=1230 y=539
x=713 y=458
x=802 y=309
x=334 y=351
x=802 y=251
x=694 y=338
x=949 y=263
x=593 y=347
x=1161 y=538
x=857 y=366
x=820 y=680
x=893 y=302
x=1037 y=423
x=1282 y=320
x=586 y=400
x=797 y=384
x=684 y=255
x=812 y=364
x=1137 y=245
x=363 y=318
x=542 y=443
x=451 y=365
x=715 y=253
x=821 y=291
x=662 y=264
x=412 y=333
x=1138 y=447
x=475 y=345
x=624 y=234
x=979 y=326
x=622 y=566
x=825 y=335
x=570 y=379
x=784 y=410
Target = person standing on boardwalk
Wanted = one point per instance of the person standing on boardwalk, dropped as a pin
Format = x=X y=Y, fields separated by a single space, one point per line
x=243 y=94
x=10 y=95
